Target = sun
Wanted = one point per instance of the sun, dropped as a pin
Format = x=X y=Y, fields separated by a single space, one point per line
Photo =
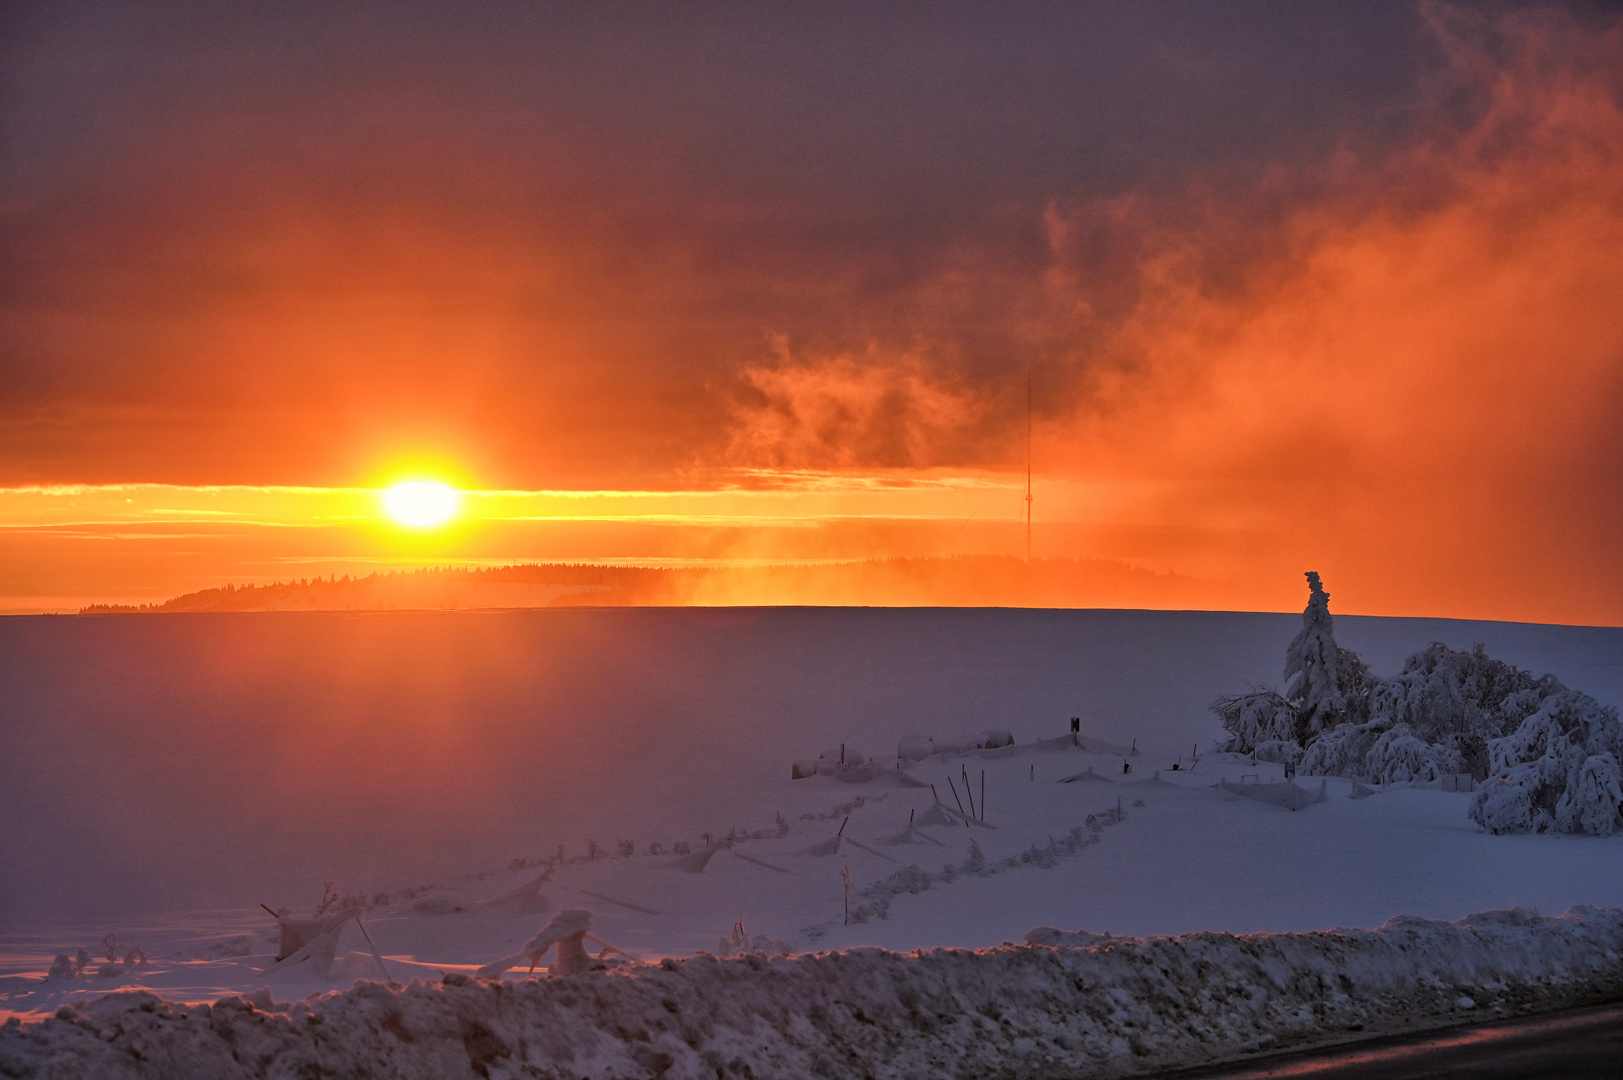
x=421 y=504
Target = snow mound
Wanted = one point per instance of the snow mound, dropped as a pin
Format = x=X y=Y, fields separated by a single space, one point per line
x=1290 y=795
x=1073 y=1002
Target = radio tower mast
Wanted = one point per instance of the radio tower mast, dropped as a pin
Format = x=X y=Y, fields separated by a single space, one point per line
x=1028 y=463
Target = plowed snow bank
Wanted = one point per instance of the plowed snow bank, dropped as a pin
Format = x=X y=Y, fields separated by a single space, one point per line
x=1064 y=1004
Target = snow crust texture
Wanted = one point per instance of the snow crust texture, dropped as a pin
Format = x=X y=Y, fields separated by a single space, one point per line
x=1063 y=1004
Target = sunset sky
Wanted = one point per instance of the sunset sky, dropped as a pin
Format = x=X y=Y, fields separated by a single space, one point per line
x=1296 y=286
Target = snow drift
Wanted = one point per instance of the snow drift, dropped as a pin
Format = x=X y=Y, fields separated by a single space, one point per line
x=1062 y=1004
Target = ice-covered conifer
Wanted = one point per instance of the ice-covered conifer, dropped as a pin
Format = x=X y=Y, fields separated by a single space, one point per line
x=1326 y=684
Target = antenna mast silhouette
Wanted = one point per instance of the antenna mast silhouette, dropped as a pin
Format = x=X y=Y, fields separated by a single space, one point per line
x=1028 y=463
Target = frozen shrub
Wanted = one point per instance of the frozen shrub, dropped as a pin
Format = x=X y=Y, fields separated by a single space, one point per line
x=1284 y=751
x=1340 y=752
x=1255 y=718
x=1506 y=806
x=1557 y=771
x=1444 y=693
x=1398 y=756
x=1591 y=803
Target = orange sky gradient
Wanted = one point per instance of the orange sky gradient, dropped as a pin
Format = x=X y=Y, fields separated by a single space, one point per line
x=1385 y=343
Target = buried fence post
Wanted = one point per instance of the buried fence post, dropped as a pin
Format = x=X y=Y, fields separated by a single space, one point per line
x=845 y=880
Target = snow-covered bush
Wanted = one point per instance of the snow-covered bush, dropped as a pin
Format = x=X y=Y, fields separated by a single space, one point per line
x=1255 y=718
x=1591 y=803
x=1398 y=756
x=1340 y=752
x=1558 y=771
x=1282 y=751
x=1449 y=694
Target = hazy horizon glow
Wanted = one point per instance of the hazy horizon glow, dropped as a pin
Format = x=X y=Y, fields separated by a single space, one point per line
x=1294 y=287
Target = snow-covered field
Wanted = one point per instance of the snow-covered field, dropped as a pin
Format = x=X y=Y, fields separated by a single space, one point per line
x=161 y=776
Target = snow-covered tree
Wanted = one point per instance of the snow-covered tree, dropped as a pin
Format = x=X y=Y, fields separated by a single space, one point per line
x=1398 y=755
x=1558 y=771
x=1325 y=685
x=1553 y=757
x=1460 y=699
x=1340 y=751
x=1252 y=719
x=1328 y=685
x=1592 y=800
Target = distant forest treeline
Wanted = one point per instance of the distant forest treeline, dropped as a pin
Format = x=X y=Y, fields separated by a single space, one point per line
x=958 y=581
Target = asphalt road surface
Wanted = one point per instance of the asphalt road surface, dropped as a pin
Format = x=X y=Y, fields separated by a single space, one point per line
x=1579 y=1044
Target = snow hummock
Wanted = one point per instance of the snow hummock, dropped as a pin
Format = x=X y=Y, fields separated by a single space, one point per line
x=1060 y=1002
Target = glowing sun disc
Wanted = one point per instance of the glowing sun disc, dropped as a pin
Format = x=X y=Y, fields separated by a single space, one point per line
x=421 y=504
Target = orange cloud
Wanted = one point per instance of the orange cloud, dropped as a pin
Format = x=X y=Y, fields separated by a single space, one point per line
x=1396 y=361
x=874 y=410
x=1401 y=366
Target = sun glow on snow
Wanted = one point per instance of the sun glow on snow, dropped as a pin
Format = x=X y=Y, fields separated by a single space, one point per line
x=421 y=504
